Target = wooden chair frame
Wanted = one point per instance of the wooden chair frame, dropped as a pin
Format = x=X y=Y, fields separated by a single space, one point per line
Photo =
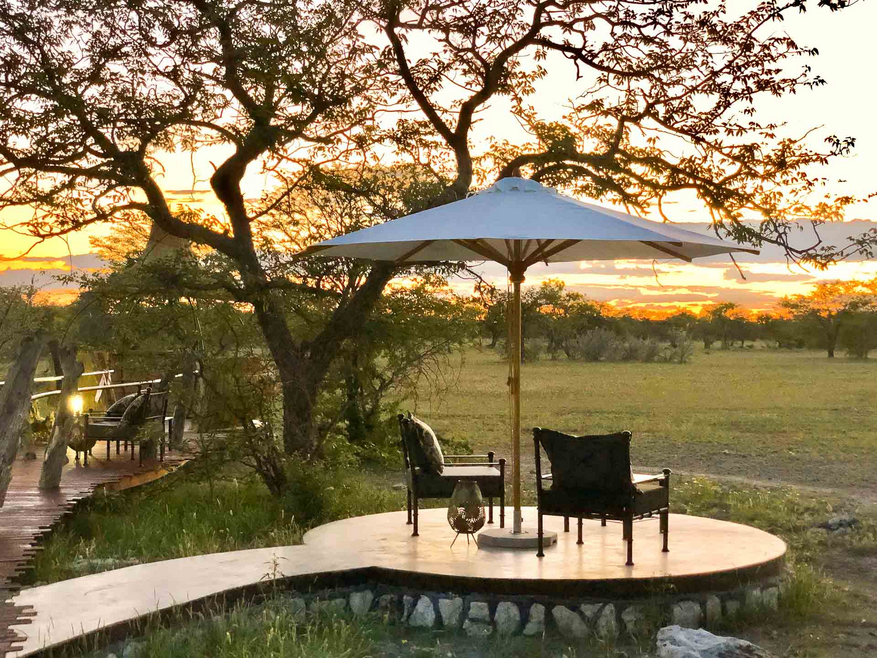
x=434 y=486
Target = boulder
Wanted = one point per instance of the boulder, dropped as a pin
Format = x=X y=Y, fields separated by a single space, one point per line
x=687 y=614
x=479 y=611
x=713 y=610
x=507 y=618
x=361 y=602
x=606 y=626
x=477 y=628
x=569 y=623
x=634 y=619
x=423 y=615
x=535 y=620
x=451 y=610
x=678 y=642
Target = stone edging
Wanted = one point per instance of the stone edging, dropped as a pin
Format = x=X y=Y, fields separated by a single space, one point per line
x=483 y=615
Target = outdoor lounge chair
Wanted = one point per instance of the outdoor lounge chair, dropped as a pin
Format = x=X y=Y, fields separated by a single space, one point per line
x=437 y=475
x=124 y=424
x=591 y=478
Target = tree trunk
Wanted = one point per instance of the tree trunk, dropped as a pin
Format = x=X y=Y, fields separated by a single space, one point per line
x=56 y=453
x=184 y=402
x=833 y=330
x=14 y=405
x=57 y=366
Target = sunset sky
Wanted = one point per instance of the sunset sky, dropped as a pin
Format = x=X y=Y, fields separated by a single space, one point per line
x=845 y=106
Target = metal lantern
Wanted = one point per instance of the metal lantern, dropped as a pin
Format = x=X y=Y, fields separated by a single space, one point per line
x=466 y=510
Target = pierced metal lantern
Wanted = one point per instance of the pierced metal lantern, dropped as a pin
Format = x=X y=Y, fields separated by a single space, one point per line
x=466 y=510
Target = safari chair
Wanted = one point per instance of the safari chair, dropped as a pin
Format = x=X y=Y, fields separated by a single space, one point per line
x=125 y=427
x=436 y=476
x=591 y=478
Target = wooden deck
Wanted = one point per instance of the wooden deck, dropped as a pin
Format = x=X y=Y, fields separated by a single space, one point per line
x=29 y=513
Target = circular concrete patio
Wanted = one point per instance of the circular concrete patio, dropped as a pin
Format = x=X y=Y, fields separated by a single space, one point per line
x=705 y=555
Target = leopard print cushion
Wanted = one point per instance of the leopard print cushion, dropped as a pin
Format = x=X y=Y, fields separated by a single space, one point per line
x=430 y=445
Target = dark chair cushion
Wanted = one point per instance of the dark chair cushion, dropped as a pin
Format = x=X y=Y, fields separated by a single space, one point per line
x=571 y=502
x=134 y=414
x=117 y=409
x=594 y=464
x=430 y=456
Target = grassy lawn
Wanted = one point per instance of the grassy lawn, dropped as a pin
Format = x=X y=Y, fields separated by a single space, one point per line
x=794 y=435
x=762 y=415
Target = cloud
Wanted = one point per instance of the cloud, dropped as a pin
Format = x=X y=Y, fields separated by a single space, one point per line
x=731 y=274
x=187 y=192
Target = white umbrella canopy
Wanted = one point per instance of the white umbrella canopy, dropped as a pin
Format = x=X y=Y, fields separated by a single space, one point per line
x=519 y=220
x=518 y=223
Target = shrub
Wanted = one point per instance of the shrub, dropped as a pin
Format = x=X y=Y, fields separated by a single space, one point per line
x=681 y=348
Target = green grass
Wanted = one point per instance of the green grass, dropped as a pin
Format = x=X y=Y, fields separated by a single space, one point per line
x=176 y=517
x=794 y=417
x=765 y=418
x=273 y=629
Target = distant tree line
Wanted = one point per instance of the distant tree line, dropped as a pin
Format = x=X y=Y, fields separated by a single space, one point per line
x=564 y=323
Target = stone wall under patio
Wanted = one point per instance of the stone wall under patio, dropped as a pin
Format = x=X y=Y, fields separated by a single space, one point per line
x=484 y=615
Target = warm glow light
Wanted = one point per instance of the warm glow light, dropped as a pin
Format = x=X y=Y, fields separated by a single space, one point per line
x=76 y=405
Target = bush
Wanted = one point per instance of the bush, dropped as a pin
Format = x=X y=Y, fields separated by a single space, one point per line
x=594 y=345
x=605 y=345
x=681 y=348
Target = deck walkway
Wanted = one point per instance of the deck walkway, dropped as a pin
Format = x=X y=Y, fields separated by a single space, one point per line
x=28 y=513
x=703 y=552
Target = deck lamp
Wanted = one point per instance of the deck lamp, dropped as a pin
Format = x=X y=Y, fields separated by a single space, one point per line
x=76 y=405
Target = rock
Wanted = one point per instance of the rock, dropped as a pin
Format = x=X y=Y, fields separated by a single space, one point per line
x=607 y=626
x=361 y=602
x=770 y=598
x=590 y=610
x=713 y=610
x=132 y=650
x=451 y=610
x=568 y=622
x=839 y=523
x=477 y=628
x=634 y=619
x=31 y=456
x=753 y=597
x=535 y=621
x=507 y=618
x=388 y=606
x=732 y=607
x=111 y=655
x=676 y=642
x=407 y=606
x=686 y=614
x=298 y=609
x=399 y=487
x=479 y=611
x=424 y=613
x=330 y=607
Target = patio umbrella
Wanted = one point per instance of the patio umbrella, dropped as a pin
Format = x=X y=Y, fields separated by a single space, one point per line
x=518 y=223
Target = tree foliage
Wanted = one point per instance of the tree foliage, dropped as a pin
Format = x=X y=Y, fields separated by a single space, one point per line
x=373 y=105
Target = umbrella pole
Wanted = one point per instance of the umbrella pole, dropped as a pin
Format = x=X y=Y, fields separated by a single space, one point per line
x=517 y=277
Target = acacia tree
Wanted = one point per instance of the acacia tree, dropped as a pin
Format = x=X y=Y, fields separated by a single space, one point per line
x=831 y=306
x=92 y=93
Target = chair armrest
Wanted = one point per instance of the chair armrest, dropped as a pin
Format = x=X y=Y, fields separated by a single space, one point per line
x=547 y=476
x=640 y=479
x=470 y=463
x=102 y=419
x=462 y=456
